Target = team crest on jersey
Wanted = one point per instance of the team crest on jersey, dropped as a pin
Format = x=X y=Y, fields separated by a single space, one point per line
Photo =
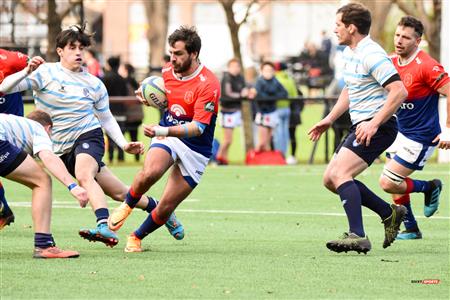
x=2 y=100
x=189 y=97
x=407 y=80
x=85 y=146
x=436 y=69
x=86 y=92
x=210 y=106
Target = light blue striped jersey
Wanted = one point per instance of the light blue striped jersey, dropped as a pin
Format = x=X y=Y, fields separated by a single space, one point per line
x=366 y=68
x=26 y=134
x=72 y=99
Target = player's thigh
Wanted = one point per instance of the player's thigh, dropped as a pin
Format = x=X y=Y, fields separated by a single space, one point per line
x=345 y=164
x=394 y=166
x=30 y=173
x=85 y=166
x=111 y=184
x=176 y=190
x=159 y=158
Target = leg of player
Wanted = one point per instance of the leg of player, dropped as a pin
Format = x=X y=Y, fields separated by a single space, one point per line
x=6 y=214
x=32 y=175
x=176 y=190
x=339 y=177
x=86 y=168
x=117 y=190
x=392 y=181
x=405 y=185
x=157 y=162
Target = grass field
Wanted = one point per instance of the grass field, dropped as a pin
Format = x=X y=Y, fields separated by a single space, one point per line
x=251 y=233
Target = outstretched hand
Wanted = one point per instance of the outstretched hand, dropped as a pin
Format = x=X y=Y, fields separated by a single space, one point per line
x=444 y=140
x=81 y=195
x=316 y=131
x=134 y=148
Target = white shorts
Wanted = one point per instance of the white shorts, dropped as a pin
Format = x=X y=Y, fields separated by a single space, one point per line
x=191 y=163
x=231 y=119
x=267 y=120
x=409 y=153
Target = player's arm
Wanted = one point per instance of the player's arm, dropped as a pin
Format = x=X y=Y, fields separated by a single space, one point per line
x=15 y=82
x=396 y=95
x=187 y=130
x=57 y=168
x=339 y=108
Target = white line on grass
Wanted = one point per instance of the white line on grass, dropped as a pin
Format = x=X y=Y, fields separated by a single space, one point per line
x=245 y=212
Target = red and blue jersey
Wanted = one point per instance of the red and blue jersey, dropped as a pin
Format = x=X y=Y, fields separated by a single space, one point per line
x=192 y=98
x=418 y=116
x=10 y=63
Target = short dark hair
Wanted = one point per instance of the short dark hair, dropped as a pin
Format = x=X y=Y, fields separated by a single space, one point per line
x=41 y=117
x=234 y=60
x=267 y=63
x=358 y=15
x=114 y=62
x=410 y=21
x=75 y=33
x=189 y=36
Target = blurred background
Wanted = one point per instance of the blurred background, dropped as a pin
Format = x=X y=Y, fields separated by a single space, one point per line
x=297 y=33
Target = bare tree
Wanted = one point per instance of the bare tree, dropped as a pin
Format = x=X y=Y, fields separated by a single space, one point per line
x=379 y=11
x=432 y=21
x=53 y=19
x=158 y=20
x=234 y=27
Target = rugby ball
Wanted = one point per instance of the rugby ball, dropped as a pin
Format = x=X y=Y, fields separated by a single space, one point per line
x=154 y=92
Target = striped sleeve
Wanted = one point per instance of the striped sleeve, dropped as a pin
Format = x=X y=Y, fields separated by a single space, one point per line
x=379 y=66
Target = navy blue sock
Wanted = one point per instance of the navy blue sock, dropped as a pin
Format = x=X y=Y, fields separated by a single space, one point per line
x=351 y=200
x=43 y=240
x=150 y=224
x=102 y=215
x=132 y=198
x=2 y=198
x=152 y=202
x=416 y=186
x=410 y=221
x=373 y=202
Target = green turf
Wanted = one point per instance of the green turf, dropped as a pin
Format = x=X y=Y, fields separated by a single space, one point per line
x=251 y=233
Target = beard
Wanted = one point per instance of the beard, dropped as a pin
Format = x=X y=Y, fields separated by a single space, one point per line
x=181 y=68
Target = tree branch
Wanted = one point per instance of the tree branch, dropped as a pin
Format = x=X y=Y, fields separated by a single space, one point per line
x=405 y=7
x=67 y=11
x=247 y=12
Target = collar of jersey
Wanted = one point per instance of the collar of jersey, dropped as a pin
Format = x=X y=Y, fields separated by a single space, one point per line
x=186 y=78
x=402 y=64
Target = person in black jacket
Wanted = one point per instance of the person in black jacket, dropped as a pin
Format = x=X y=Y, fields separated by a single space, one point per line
x=269 y=89
x=116 y=85
x=233 y=88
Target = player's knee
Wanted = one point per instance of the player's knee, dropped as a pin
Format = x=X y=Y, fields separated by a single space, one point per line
x=165 y=209
x=328 y=182
x=389 y=181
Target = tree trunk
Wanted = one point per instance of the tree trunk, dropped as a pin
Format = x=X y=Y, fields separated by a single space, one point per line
x=246 y=108
x=379 y=11
x=158 y=20
x=54 y=28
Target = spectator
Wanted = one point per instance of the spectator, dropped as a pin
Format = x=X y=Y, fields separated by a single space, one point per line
x=281 y=135
x=294 y=120
x=267 y=86
x=116 y=85
x=92 y=64
x=134 y=112
x=233 y=88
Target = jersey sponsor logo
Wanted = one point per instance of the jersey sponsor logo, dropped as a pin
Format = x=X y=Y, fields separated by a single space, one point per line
x=189 y=97
x=418 y=61
x=170 y=119
x=408 y=79
x=202 y=77
x=409 y=106
x=210 y=106
x=199 y=172
x=178 y=110
x=3 y=57
x=436 y=68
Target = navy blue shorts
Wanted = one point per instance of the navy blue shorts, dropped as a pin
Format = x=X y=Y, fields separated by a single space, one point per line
x=382 y=139
x=92 y=143
x=10 y=157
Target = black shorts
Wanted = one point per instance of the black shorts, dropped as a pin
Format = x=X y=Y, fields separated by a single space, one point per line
x=10 y=157
x=382 y=139
x=92 y=143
